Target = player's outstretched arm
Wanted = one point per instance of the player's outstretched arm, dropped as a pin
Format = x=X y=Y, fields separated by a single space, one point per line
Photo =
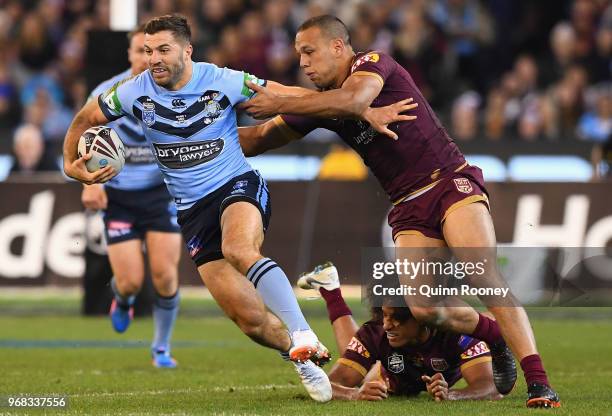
x=89 y=116
x=349 y=101
x=352 y=100
x=258 y=139
x=288 y=91
x=346 y=383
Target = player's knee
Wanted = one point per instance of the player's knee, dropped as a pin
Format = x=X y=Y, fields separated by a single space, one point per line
x=239 y=255
x=428 y=315
x=128 y=288
x=165 y=282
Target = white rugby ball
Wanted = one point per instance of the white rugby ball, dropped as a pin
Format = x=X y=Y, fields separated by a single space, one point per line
x=105 y=146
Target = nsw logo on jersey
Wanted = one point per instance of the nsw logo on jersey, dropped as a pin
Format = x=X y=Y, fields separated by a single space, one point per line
x=148 y=113
x=186 y=155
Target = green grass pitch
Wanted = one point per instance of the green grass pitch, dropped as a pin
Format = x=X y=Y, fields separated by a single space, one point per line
x=222 y=372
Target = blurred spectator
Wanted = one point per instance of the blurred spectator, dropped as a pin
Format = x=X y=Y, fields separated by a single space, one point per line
x=595 y=125
x=29 y=151
x=9 y=107
x=419 y=48
x=562 y=52
x=35 y=44
x=464 y=116
x=599 y=63
x=495 y=119
x=469 y=29
x=254 y=42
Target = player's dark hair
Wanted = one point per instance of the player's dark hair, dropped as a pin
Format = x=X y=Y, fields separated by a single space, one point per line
x=174 y=23
x=402 y=314
x=135 y=31
x=331 y=26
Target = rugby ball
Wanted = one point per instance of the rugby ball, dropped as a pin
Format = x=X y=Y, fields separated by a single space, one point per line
x=105 y=146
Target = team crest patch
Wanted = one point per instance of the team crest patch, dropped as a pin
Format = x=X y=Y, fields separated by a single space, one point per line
x=463 y=185
x=356 y=346
x=395 y=363
x=148 y=114
x=439 y=364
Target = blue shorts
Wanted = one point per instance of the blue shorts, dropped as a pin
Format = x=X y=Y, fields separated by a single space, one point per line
x=201 y=223
x=130 y=214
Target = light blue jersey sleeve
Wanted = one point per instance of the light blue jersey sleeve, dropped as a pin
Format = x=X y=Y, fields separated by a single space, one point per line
x=235 y=82
x=117 y=100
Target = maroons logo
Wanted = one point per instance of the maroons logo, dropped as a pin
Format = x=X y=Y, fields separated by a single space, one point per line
x=186 y=155
x=439 y=364
x=463 y=185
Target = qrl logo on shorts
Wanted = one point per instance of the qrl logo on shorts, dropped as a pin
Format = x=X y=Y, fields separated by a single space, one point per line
x=463 y=185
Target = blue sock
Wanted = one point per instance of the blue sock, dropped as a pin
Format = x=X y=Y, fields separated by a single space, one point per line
x=276 y=292
x=123 y=302
x=165 y=310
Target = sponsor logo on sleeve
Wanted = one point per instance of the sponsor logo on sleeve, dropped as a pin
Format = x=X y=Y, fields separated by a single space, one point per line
x=463 y=185
x=246 y=91
x=475 y=350
x=368 y=57
x=356 y=346
x=186 y=155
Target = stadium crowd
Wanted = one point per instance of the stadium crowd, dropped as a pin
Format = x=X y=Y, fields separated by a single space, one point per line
x=499 y=69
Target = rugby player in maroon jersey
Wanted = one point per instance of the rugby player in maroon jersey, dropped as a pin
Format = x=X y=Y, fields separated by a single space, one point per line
x=394 y=354
x=439 y=199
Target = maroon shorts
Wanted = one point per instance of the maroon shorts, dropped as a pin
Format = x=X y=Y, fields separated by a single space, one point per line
x=424 y=211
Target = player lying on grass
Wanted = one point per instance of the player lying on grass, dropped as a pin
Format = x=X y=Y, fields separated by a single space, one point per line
x=395 y=354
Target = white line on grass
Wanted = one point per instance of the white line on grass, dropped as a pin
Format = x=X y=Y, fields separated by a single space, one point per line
x=185 y=391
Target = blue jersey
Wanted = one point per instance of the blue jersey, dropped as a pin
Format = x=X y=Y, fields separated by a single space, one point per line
x=193 y=131
x=140 y=170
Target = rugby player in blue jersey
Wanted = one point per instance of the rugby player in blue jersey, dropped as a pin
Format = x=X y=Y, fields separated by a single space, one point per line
x=187 y=112
x=137 y=207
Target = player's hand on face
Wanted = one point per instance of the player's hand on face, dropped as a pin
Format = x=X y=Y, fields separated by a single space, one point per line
x=77 y=170
x=94 y=197
x=373 y=390
x=437 y=387
x=380 y=117
x=263 y=104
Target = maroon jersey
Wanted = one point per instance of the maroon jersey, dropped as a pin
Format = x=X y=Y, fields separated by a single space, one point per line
x=424 y=151
x=443 y=352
